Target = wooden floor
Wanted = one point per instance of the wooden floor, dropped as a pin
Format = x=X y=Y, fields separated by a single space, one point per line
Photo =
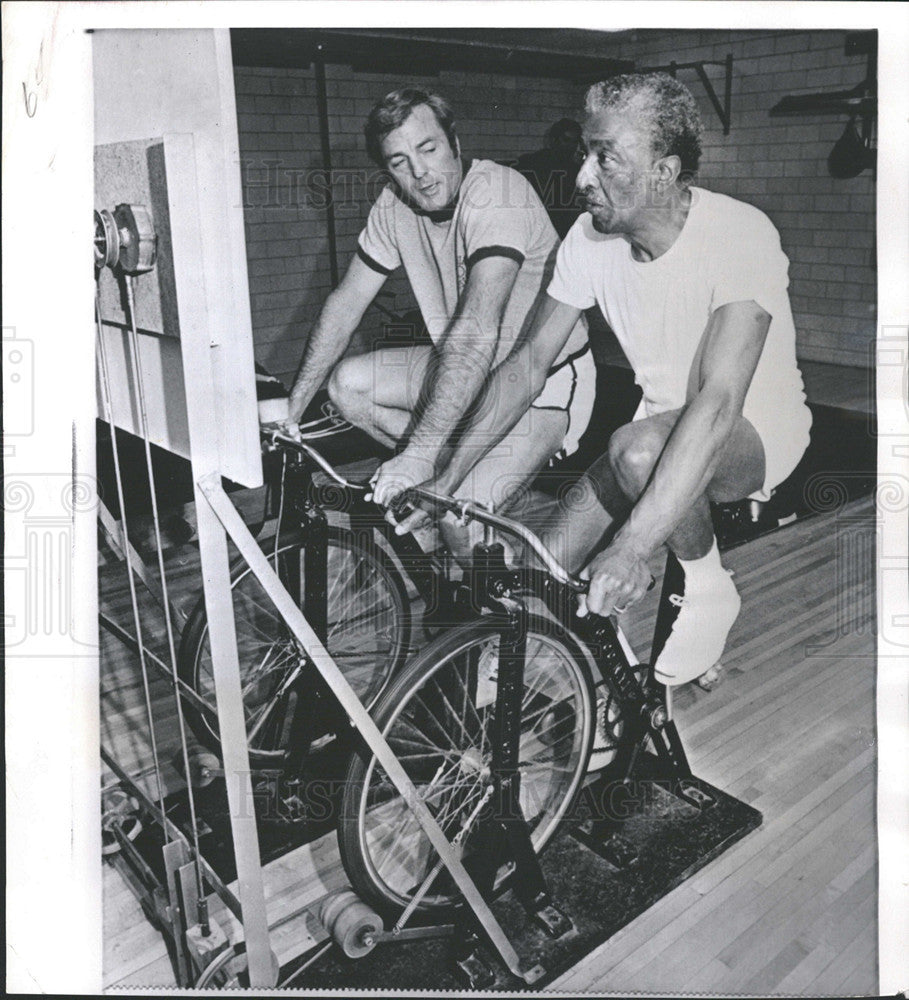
x=791 y=909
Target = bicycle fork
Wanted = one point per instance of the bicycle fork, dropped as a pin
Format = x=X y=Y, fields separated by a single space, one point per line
x=502 y=830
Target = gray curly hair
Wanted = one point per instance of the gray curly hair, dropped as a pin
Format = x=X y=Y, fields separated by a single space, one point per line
x=665 y=107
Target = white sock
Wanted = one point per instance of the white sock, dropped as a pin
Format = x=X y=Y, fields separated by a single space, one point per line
x=699 y=572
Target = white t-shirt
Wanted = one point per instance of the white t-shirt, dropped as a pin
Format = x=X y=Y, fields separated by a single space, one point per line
x=497 y=214
x=727 y=251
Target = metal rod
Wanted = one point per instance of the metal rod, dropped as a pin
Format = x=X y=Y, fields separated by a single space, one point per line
x=107 y=523
x=104 y=381
x=469 y=509
x=320 y=951
x=723 y=113
x=285 y=439
x=325 y=139
x=188 y=692
x=173 y=832
x=220 y=503
x=165 y=604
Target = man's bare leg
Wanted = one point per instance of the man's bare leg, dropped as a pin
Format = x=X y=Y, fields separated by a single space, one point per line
x=379 y=391
x=710 y=603
x=499 y=477
x=626 y=469
x=586 y=512
x=635 y=449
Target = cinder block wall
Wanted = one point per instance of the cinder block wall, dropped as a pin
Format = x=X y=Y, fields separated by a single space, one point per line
x=827 y=225
x=778 y=164
x=499 y=117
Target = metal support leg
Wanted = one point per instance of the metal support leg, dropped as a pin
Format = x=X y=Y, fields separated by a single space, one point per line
x=505 y=834
x=315 y=572
x=175 y=857
x=667 y=612
x=644 y=712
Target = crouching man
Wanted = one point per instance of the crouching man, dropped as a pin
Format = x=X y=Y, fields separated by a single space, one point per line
x=478 y=249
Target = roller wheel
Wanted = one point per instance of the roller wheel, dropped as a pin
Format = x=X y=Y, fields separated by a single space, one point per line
x=203 y=768
x=350 y=922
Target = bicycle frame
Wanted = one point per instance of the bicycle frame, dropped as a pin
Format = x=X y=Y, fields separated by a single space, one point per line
x=644 y=709
x=308 y=503
x=493 y=589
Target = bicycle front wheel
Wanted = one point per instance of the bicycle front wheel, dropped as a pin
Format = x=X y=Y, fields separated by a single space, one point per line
x=368 y=636
x=437 y=717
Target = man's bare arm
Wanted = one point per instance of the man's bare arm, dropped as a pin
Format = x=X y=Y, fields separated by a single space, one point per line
x=466 y=356
x=734 y=339
x=513 y=387
x=341 y=313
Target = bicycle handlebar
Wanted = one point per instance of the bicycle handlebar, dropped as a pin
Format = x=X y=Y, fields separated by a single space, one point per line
x=462 y=509
x=272 y=436
x=470 y=509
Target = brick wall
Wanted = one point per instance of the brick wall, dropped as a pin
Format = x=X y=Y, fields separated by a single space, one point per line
x=778 y=164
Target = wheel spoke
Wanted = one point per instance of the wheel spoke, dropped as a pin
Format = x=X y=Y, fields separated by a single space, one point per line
x=425 y=742
x=442 y=738
x=365 y=615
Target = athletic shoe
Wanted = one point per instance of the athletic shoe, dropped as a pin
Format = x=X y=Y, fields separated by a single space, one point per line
x=699 y=632
x=713 y=678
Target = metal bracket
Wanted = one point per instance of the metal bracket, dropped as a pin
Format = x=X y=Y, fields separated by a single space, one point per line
x=176 y=855
x=723 y=110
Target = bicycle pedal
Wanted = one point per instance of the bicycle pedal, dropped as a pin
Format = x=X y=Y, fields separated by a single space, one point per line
x=553 y=921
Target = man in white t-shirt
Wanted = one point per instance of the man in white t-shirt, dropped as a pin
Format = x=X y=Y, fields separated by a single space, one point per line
x=478 y=249
x=694 y=285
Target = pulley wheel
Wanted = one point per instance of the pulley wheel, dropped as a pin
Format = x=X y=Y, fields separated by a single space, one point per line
x=120 y=810
x=138 y=240
x=107 y=240
x=230 y=970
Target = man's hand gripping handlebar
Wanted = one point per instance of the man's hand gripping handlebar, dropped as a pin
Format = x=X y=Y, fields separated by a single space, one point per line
x=470 y=510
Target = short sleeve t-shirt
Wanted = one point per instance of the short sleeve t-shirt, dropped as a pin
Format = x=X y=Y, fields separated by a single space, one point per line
x=497 y=214
x=727 y=251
